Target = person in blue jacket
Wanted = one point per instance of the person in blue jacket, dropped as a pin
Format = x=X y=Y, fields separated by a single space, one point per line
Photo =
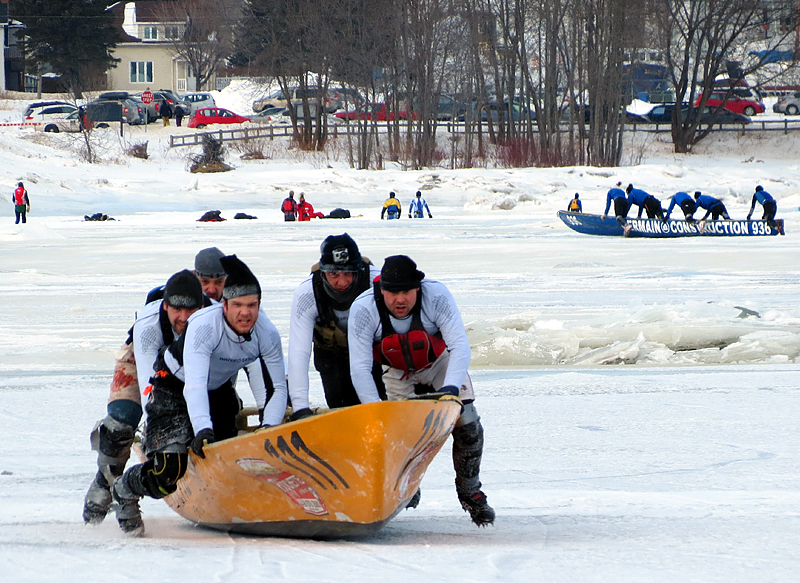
x=621 y=207
x=417 y=206
x=575 y=205
x=645 y=201
x=765 y=199
x=687 y=204
x=713 y=206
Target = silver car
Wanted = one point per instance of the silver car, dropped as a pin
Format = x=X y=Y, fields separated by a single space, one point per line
x=198 y=101
x=789 y=104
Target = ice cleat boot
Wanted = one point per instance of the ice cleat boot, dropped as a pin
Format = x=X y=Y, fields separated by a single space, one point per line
x=129 y=516
x=97 y=501
x=414 y=501
x=479 y=510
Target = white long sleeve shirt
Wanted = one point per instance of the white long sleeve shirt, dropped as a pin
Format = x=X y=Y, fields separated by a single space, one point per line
x=439 y=314
x=214 y=353
x=148 y=339
x=301 y=335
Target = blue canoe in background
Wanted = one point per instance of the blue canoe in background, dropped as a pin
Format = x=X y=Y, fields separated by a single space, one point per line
x=656 y=228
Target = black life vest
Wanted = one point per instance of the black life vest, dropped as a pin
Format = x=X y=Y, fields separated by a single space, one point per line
x=416 y=349
x=328 y=334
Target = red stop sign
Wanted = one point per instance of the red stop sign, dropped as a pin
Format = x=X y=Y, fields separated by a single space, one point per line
x=147 y=97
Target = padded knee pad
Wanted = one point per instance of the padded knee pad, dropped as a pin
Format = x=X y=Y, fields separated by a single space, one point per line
x=162 y=476
x=112 y=440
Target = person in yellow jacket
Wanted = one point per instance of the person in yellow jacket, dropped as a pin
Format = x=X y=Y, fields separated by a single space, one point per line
x=575 y=205
x=391 y=208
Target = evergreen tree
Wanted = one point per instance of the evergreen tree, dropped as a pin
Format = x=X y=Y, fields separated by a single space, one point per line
x=74 y=37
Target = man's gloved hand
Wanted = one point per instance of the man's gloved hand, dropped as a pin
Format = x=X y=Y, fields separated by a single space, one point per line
x=409 y=215
x=430 y=216
x=448 y=390
x=302 y=414
x=205 y=436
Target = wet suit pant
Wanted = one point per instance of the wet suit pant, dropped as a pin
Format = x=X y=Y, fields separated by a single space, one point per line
x=334 y=370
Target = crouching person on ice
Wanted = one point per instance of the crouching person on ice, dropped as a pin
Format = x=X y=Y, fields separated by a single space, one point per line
x=159 y=324
x=192 y=400
x=414 y=328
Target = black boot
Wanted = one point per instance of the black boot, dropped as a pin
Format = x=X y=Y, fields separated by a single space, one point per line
x=467 y=453
x=112 y=440
x=414 y=502
x=129 y=516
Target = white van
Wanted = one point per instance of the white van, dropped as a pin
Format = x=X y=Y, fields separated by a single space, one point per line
x=199 y=100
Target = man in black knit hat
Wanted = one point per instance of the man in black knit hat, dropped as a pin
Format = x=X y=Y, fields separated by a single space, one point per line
x=413 y=325
x=159 y=324
x=192 y=399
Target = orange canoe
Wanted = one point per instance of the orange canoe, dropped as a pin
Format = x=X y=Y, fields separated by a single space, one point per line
x=344 y=473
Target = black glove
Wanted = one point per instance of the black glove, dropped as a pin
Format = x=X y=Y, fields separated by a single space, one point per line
x=205 y=436
x=302 y=414
x=448 y=390
x=409 y=215
x=430 y=216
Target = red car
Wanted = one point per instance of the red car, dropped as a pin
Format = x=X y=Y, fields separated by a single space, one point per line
x=735 y=103
x=210 y=115
x=375 y=111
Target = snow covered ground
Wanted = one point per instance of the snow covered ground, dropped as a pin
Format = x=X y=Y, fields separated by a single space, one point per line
x=641 y=423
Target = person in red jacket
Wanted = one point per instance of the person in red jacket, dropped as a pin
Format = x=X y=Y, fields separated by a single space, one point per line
x=305 y=212
x=22 y=205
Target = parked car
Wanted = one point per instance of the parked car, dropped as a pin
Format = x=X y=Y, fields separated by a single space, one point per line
x=39 y=105
x=744 y=105
x=492 y=110
x=376 y=111
x=344 y=97
x=214 y=115
x=270 y=116
x=70 y=123
x=198 y=101
x=662 y=114
x=43 y=115
x=789 y=104
x=131 y=111
x=450 y=109
x=295 y=97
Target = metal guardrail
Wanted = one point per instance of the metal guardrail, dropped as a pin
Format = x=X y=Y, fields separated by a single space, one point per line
x=459 y=127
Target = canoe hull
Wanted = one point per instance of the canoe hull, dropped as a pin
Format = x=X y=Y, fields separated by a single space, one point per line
x=344 y=473
x=656 y=228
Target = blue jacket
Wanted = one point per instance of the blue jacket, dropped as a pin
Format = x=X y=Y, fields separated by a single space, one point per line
x=706 y=202
x=761 y=196
x=637 y=197
x=678 y=200
x=612 y=194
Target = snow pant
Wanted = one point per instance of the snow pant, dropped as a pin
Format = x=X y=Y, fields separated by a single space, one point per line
x=288 y=217
x=468 y=432
x=689 y=207
x=334 y=370
x=178 y=120
x=718 y=210
x=165 y=120
x=653 y=208
x=112 y=437
x=20 y=211
x=770 y=208
x=621 y=210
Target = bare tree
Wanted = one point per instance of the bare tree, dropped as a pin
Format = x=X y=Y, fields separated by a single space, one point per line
x=200 y=32
x=700 y=38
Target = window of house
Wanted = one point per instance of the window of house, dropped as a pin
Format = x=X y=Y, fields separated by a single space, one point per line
x=150 y=33
x=141 y=71
x=171 y=32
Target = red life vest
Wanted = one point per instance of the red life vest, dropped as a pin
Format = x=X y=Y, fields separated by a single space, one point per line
x=19 y=195
x=416 y=349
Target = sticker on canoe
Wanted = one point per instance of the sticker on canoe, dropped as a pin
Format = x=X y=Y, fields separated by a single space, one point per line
x=296 y=488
